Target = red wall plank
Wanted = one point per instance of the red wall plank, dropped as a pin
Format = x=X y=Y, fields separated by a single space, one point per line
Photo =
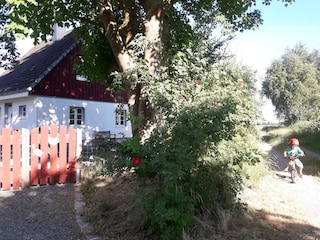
x=16 y=171
x=63 y=154
x=53 y=143
x=34 y=175
x=72 y=155
x=1 y=160
x=6 y=159
x=44 y=157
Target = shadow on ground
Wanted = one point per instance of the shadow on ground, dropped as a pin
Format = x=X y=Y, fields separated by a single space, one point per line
x=259 y=224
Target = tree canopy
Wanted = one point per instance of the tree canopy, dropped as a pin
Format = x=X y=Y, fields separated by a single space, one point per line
x=142 y=35
x=292 y=84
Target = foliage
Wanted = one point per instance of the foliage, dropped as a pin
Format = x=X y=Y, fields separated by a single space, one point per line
x=87 y=190
x=195 y=158
x=36 y=18
x=109 y=30
x=189 y=167
x=292 y=83
x=110 y=157
x=8 y=50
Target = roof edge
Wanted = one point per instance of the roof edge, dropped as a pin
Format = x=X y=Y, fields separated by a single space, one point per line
x=13 y=95
x=55 y=63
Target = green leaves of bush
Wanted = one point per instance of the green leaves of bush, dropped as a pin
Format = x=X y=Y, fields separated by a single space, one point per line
x=194 y=166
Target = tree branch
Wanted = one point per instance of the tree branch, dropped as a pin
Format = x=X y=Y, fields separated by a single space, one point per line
x=91 y=22
x=112 y=34
x=129 y=27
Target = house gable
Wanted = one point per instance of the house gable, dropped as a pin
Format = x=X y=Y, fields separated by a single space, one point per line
x=61 y=82
x=34 y=65
x=47 y=70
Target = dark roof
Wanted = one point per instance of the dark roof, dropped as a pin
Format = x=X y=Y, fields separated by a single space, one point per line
x=35 y=65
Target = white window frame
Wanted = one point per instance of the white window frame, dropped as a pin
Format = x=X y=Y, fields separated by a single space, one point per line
x=7 y=115
x=76 y=116
x=121 y=117
x=22 y=111
x=82 y=78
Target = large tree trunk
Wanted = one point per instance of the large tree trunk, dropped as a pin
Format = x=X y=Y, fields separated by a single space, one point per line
x=119 y=37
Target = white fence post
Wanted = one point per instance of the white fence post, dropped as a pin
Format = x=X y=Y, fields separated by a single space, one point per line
x=25 y=157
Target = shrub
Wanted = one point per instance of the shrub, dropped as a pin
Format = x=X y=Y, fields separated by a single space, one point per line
x=192 y=163
x=195 y=166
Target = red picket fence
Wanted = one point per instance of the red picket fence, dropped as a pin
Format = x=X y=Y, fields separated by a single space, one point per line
x=45 y=155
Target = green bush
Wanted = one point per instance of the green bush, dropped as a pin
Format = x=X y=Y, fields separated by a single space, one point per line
x=191 y=165
x=195 y=167
x=109 y=158
x=168 y=211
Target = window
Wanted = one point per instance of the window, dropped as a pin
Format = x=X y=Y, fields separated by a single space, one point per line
x=82 y=78
x=7 y=115
x=76 y=116
x=22 y=111
x=121 y=117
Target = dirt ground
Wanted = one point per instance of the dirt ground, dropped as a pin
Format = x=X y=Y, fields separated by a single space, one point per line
x=287 y=210
x=277 y=208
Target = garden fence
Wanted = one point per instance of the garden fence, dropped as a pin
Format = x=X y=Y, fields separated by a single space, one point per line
x=45 y=155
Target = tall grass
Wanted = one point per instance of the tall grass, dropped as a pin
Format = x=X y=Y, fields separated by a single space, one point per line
x=256 y=172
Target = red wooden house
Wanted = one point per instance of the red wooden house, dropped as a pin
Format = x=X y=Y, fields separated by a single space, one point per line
x=44 y=90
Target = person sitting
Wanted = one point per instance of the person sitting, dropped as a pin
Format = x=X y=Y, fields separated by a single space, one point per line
x=293 y=152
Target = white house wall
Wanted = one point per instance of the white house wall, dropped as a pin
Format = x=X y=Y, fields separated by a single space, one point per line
x=16 y=122
x=98 y=116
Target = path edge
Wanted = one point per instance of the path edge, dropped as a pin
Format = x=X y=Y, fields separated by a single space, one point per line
x=85 y=227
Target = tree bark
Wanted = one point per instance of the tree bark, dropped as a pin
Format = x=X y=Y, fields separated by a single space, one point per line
x=119 y=38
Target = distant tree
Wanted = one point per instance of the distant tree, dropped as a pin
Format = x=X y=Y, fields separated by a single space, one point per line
x=292 y=84
x=140 y=34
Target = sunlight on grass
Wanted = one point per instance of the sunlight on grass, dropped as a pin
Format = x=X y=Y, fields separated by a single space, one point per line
x=256 y=172
x=311 y=166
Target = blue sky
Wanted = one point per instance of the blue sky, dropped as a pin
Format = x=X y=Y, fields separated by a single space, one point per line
x=283 y=28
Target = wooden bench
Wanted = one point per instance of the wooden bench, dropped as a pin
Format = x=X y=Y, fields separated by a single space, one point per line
x=102 y=135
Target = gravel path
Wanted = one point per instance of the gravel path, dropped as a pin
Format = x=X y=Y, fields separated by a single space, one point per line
x=288 y=209
x=39 y=213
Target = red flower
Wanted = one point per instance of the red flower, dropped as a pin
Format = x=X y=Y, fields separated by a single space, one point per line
x=136 y=161
x=218 y=103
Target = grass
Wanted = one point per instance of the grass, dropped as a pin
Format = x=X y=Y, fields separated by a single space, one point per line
x=256 y=173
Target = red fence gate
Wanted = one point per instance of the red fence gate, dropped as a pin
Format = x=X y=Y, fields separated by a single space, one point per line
x=45 y=155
